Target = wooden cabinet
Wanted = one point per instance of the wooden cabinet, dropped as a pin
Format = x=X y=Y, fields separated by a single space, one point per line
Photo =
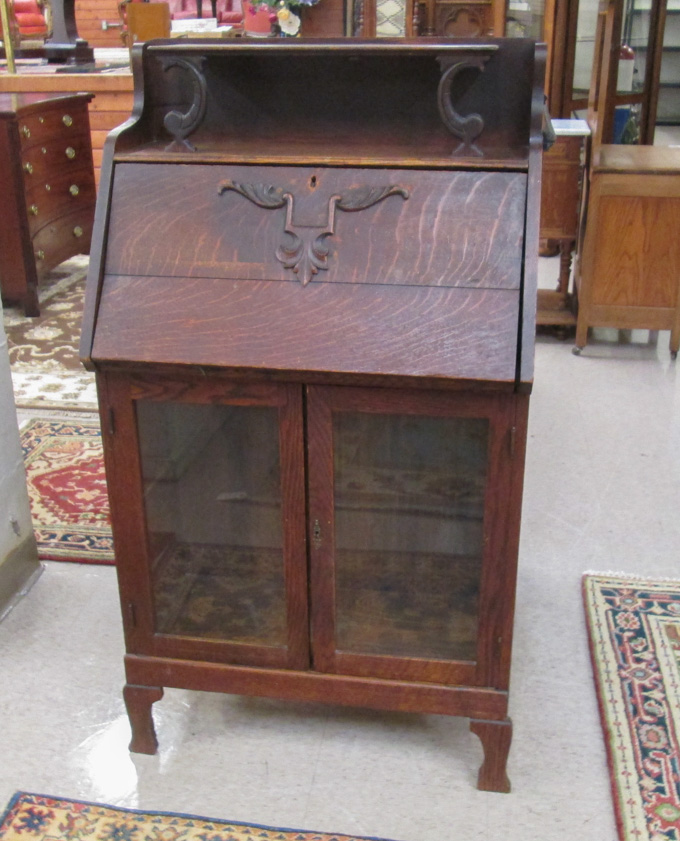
x=48 y=187
x=628 y=275
x=312 y=327
x=562 y=195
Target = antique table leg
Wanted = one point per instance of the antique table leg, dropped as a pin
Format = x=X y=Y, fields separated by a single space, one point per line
x=138 y=701
x=495 y=737
x=566 y=246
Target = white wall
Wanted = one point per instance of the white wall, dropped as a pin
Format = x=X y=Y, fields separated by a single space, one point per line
x=18 y=551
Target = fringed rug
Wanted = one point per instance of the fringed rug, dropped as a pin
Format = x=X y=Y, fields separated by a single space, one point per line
x=67 y=490
x=634 y=630
x=43 y=351
x=32 y=817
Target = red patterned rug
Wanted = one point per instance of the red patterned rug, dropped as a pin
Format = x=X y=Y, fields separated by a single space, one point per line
x=634 y=630
x=67 y=490
x=33 y=817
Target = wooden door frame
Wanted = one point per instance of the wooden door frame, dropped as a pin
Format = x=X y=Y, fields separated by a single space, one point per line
x=495 y=609
x=118 y=396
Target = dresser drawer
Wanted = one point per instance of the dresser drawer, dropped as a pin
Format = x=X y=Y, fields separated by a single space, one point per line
x=59 y=122
x=58 y=196
x=56 y=157
x=61 y=239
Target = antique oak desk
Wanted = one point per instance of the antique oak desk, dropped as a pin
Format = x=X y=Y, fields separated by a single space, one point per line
x=311 y=310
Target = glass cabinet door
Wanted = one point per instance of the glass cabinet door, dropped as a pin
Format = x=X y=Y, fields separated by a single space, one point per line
x=223 y=502
x=401 y=532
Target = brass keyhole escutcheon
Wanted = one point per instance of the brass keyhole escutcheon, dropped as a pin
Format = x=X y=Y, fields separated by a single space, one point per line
x=70 y=152
x=28 y=167
x=40 y=254
x=77 y=231
x=33 y=210
x=25 y=130
x=67 y=120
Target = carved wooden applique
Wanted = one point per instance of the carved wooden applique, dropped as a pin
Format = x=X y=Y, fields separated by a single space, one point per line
x=181 y=125
x=467 y=128
x=305 y=250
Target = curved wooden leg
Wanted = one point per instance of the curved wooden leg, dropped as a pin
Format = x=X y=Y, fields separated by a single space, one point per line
x=138 y=701
x=495 y=737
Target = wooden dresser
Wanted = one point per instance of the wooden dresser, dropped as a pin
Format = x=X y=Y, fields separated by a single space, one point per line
x=311 y=313
x=48 y=189
x=628 y=273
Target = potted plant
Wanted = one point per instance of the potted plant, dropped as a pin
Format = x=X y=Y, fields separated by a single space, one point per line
x=273 y=17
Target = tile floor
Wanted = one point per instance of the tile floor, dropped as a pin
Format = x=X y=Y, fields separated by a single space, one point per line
x=602 y=493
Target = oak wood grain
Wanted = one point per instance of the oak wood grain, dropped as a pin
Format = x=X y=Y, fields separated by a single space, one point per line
x=479 y=703
x=360 y=328
x=452 y=229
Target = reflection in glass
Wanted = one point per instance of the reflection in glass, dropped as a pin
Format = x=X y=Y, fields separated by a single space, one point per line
x=524 y=19
x=211 y=478
x=409 y=496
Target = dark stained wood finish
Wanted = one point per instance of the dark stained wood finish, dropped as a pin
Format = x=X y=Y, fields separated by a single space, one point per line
x=451 y=229
x=47 y=184
x=495 y=737
x=138 y=702
x=499 y=549
x=400 y=696
x=355 y=329
x=342 y=251
x=119 y=430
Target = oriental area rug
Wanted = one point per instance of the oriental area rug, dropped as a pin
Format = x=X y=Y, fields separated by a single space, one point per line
x=634 y=632
x=33 y=817
x=67 y=489
x=43 y=351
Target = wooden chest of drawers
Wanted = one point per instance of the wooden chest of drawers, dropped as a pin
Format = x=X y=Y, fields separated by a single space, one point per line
x=48 y=188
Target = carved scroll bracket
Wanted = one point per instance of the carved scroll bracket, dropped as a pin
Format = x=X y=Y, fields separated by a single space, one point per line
x=469 y=127
x=304 y=249
x=181 y=125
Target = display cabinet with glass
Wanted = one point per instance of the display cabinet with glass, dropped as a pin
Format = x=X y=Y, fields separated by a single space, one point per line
x=312 y=327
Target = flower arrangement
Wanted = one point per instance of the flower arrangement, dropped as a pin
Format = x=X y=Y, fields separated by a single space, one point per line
x=284 y=15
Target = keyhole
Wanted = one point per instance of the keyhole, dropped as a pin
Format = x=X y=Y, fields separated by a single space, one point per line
x=316 y=534
x=312 y=182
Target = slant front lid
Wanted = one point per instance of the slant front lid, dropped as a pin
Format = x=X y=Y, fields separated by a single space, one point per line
x=381 y=271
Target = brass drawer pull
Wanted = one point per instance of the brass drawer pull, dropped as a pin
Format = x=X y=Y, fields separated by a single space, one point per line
x=77 y=232
x=41 y=120
x=33 y=210
x=47 y=187
x=70 y=152
x=25 y=130
x=74 y=189
x=44 y=150
x=40 y=254
x=28 y=167
x=67 y=120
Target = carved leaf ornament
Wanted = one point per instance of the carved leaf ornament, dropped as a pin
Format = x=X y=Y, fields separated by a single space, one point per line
x=304 y=249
